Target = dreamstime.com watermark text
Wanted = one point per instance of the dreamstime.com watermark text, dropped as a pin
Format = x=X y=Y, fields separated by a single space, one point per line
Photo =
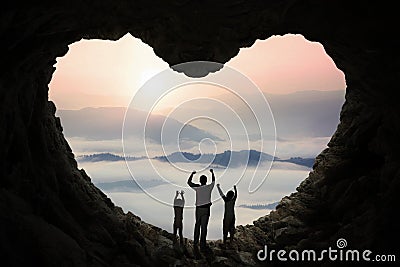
x=330 y=254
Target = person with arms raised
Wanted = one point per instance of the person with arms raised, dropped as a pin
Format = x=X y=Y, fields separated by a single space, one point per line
x=203 y=204
x=228 y=225
x=179 y=204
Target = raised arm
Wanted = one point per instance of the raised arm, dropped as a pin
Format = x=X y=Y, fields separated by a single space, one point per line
x=189 y=182
x=176 y=197
x=212 y=176
x=220 y=192
x=234 y=188
x=183 y=198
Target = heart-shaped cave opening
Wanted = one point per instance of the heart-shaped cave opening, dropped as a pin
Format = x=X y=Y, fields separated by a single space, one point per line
x=95 y=84
x=52 y=213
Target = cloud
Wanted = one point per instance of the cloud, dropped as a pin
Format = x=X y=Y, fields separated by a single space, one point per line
x=280 y=182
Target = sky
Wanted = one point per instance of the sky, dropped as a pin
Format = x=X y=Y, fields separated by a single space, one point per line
x=98 y=73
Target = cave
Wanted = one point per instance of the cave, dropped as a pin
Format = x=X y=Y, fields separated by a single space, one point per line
x=51 y=213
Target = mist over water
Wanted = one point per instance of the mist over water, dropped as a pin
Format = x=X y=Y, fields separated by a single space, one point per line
x=282 y=180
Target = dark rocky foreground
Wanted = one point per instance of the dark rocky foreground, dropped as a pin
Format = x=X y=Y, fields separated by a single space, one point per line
x=50 y=212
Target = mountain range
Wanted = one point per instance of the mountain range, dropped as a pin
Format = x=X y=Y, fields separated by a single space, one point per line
x=269 y=206
x=105 y=123
x=105 y=157
x=297 y=115
x=224 y=159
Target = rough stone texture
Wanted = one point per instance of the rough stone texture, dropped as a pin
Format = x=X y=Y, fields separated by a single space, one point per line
x=51 y=213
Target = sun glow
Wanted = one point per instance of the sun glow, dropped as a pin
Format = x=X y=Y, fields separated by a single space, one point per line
x=99 y=73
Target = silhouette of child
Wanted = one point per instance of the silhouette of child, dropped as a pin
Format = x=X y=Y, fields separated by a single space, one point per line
x=179 y=203
x=229 y=213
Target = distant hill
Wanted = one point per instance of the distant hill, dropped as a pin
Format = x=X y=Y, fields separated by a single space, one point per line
x=269 y=206
x=105 y=123
x=225 y=159
x=234 y=158
x=104 y=157
x=297 y=115
x=308 y=162
x=304 y=114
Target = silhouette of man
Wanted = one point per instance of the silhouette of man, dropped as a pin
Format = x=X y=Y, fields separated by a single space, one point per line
x=179 y=203
x=203 y=204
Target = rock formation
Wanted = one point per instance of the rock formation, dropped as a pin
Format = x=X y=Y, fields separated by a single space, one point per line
x=51 y=213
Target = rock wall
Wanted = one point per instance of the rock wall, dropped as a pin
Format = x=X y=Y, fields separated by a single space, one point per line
x=51 y=213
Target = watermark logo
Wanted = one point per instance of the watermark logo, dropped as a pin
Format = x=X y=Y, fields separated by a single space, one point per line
x=341 y=243
x=205 y=108
x=329 y=254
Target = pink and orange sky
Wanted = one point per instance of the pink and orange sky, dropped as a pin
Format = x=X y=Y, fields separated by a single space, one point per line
x=98 y=73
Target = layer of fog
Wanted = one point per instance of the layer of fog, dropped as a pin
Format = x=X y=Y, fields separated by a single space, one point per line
x=304 y=122
x=154 y=205
x=285 y=148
